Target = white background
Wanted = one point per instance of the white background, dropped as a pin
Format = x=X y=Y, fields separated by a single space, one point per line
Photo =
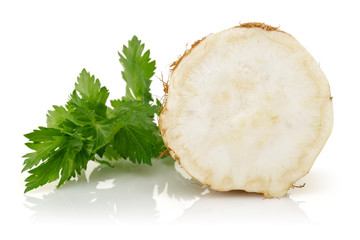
x=45 y=44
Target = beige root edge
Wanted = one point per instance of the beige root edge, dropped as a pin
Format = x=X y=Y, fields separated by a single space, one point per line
x=174 y=65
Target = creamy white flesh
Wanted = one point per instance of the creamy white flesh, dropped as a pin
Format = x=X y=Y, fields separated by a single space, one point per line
x=247 y=109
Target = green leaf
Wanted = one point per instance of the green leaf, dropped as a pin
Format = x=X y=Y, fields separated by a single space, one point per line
x=64 y=162
x=136 y=136
x=138 y=70
x=74 y=135
x=133 y=109
x=86 y=128
x=92 y=123
x=57 y=116
x=135 y=143
x=159 y=106
x=99 y=132
x=103 y=162
x=43 y=134
x=90 y=88
x=45 y=141
x=92 y=94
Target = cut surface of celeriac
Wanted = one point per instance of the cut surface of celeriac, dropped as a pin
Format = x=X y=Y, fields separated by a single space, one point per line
x=247 y=108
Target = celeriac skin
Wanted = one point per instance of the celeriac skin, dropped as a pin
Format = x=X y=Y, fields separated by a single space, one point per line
x=247 y=108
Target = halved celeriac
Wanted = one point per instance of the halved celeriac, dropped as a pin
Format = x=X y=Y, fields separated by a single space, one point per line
x=247 y=108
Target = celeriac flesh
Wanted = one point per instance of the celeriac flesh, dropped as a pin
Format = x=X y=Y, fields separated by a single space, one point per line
x=247 y=108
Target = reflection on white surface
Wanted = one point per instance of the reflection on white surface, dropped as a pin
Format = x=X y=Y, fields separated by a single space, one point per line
x=107 y=184
x=160 y=193
x=168 y=206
